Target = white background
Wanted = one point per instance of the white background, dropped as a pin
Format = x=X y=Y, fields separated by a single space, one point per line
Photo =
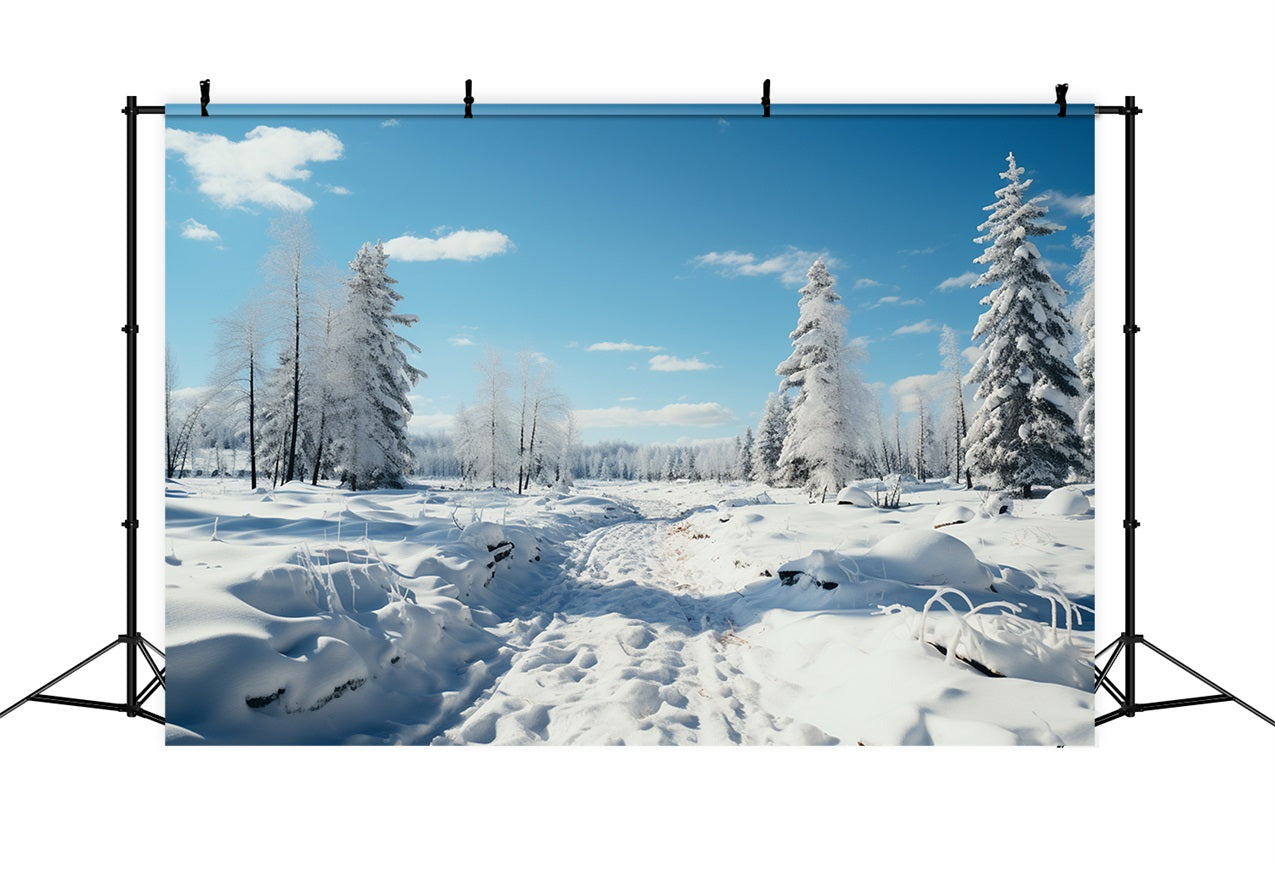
x=1183 y=788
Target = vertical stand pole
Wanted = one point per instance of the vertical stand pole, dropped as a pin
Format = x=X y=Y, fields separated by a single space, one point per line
x=1129 y=640
x=132 y=641
x=130 y=462
x=1130 y=455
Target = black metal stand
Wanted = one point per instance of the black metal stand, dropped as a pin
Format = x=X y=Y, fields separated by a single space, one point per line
x=1129 y=640
x=135 y=645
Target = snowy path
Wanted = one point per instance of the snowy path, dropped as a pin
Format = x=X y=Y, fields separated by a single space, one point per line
x=627 y=651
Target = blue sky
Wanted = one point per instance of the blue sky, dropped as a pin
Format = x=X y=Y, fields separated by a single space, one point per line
x=654 y=261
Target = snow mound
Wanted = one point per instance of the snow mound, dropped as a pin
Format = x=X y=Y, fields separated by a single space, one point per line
x=997 y=504
x=1067 y=502
x=950 y=515
x=852 y=495
x=924 y=557
x=825 y=568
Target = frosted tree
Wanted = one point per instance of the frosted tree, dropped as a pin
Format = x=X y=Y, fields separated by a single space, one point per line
x=567 y=449
x=240 y=358
x=467 y=443
x=324 y=383
x=1024 y=432
x=540 y=411
x=771 y=432
x=817 y=449
x=1083 y=278
x=744 y=456
x=494 y=440
x=371 y=442
x=958 y=423
x=275 y=411
x=181 y=418
x=288 y=263
x=922 y=454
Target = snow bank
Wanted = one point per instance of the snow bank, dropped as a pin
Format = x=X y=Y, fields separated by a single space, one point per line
x=852 y=495
x=1065 y=502
x=951 y=515
x=926 y=557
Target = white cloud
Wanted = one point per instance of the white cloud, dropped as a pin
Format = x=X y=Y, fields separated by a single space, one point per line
x=337 y=189
x=791 y=266
x=193 y=229
x=623 y=345
x=892 y=300
x=627 y=399
x=666 y=363
x=1080 y=205
x=390 y=122
x=910 y=391
x=253 y=171
x=701 y=415
x=866 y=282
x=917 y=328
x=957 y=282
x=972 y=354
x=430 y=422
x=460 y=341
x=918 y=252
x=464 y=245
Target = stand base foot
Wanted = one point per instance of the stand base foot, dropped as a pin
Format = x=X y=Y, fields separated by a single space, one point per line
x=1128 y=706
x=137 y=645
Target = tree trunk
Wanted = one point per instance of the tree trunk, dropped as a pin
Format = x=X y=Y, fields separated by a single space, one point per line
x=318 y=453
x=296 y=372
x=1027 y=490
x=252 y=416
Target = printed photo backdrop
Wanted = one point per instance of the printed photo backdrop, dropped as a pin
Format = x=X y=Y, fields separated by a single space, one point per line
x=630 y=425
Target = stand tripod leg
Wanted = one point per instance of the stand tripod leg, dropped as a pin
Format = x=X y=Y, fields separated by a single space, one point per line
x=1208 y=699
x=54 y=699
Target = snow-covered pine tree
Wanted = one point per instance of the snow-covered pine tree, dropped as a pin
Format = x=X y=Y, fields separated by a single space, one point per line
x=922 y=454
x=744 y=457
x=1083 y=316
x=1024 y=432
x=957 y=422
x=371 y=441
x=771 y=432
x=274 y=433
x=817 y=449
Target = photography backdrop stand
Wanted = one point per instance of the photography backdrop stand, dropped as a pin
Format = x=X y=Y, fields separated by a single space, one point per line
x=1129 y=640
x=134 y=644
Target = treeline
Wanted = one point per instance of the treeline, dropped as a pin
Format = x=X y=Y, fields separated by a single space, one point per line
x=1033 y=412
x=312 y=379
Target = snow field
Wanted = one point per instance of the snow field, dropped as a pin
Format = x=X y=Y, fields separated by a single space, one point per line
x=641 y=613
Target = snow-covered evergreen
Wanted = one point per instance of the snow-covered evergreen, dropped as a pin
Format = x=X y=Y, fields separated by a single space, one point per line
x=817 y=450
x=1083 y=316
x=955 y=421
x=371 y=437
x=1024 y=431
x=771 y=432
x=744 y=458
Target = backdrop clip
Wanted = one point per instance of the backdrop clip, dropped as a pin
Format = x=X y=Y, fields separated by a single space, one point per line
x=1060 y=97
x=469 y=98
x=765 y=98
x=204 y=86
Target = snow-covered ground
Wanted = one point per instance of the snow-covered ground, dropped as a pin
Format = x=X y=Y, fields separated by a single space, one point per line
x=642 y=613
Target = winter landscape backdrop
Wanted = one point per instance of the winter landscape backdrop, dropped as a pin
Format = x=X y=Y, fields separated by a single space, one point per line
x=670 y=430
